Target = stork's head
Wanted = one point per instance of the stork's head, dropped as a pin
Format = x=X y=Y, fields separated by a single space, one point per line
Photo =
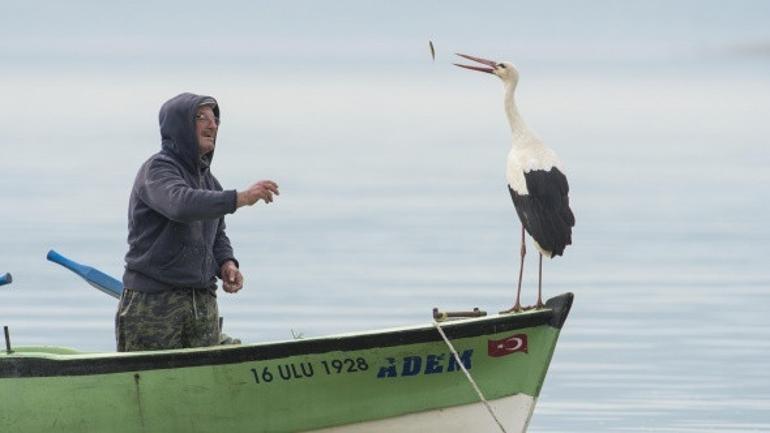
x=506 y=71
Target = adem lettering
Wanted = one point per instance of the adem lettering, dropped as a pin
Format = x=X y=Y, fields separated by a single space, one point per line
x=429 y=364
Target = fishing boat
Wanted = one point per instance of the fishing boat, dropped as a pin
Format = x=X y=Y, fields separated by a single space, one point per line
x=451 y=375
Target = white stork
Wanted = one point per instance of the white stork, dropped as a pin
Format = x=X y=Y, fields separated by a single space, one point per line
x=536 y=181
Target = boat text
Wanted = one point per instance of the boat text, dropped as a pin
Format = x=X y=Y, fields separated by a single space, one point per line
x=430 y=364
x=304 y=370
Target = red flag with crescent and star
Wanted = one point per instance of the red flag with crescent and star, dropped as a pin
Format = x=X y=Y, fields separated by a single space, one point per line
x=506 y=346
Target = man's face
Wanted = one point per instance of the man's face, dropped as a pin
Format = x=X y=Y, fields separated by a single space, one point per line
x=206 y=126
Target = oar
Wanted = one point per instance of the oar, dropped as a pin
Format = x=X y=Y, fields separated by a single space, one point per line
x=6 y=279
x=94 y=277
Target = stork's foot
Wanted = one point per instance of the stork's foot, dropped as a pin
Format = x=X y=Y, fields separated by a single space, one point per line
x=538 y=306
x=517 y=308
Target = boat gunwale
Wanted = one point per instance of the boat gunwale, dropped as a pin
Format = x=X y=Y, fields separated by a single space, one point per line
x=37 y=364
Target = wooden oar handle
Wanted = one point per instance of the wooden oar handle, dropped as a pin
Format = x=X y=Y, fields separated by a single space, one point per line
x=444 y=315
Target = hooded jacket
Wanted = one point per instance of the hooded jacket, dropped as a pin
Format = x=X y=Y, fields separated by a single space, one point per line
x=176 y=226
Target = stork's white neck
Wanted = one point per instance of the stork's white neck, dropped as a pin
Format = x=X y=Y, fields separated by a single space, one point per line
x=527 y=152
x=519 y=129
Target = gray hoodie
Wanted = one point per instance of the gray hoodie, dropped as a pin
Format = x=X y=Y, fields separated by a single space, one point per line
x=176 y=225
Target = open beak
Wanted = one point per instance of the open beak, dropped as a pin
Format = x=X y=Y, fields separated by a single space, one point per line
x=479 y=60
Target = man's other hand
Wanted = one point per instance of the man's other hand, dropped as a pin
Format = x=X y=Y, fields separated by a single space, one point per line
x=232 y=280
x=262 y=190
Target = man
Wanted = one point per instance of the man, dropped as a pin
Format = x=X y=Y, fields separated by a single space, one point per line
x=176 y=235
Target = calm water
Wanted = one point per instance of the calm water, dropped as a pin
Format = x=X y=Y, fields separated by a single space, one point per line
x=393 y=202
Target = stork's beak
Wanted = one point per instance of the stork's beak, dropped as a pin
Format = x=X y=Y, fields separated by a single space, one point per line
x=480 y=60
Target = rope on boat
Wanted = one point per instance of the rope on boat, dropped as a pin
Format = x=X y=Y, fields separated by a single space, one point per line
x=468 y=375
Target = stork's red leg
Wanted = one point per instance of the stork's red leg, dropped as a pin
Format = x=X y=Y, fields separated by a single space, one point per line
x=517 y=305
x=540 y=284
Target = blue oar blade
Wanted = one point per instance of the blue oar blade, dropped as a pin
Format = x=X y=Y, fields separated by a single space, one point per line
x=93 y=276
x=6 y=278
x=105 y=283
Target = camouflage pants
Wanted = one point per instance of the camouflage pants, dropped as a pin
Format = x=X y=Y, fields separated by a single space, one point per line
x=166 y=320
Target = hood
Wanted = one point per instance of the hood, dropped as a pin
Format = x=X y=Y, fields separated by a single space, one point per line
x=177 y=129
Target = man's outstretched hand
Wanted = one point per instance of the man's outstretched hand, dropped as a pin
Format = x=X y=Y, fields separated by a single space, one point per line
x=232 y=280
x=262 y=190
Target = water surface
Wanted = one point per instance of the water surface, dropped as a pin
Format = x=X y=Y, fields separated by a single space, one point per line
x=394 y=199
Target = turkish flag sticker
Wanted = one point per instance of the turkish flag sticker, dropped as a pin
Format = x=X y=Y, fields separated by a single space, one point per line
x=506 y=346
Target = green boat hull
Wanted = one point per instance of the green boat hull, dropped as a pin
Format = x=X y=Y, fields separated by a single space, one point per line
x=358 y=379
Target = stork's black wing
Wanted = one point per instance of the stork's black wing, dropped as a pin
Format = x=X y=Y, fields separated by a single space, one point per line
x=545 y=211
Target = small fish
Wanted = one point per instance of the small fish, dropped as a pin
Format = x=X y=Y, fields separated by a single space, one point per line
x=432 y=50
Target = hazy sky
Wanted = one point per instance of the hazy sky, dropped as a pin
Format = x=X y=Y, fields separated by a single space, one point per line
x=140 y=53
x=85 y=33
